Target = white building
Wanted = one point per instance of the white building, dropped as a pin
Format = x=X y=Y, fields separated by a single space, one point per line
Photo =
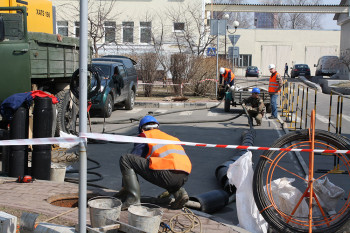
x=343 y=20
x=131 y=25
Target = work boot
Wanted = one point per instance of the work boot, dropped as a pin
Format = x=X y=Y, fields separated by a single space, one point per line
x=181 y=197
x=131 y=187
x=121 y=194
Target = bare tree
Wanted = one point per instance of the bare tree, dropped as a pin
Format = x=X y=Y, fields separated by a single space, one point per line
x=245 y=19
x=297 y=20
x=345 y=59
x=148 y=64
x=101 y=21
x=194 y=37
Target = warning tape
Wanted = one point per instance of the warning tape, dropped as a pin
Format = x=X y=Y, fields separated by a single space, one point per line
x=130 y=139
x=214 y=80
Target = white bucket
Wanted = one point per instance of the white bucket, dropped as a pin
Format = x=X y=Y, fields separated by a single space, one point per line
x=57 y=173
x=104 y=210
x=146 y=217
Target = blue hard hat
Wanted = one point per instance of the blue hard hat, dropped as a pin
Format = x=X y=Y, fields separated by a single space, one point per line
x=147 y=119
x=256 y=90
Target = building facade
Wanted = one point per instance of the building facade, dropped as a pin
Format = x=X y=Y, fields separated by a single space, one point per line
x=138 y=26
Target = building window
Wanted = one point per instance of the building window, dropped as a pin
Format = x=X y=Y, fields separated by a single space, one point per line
x=128 y=32
x=179 y=27
x=76 y=29
x=62 y=28
x=145 y=32
x=109 y=27
x=244 y=60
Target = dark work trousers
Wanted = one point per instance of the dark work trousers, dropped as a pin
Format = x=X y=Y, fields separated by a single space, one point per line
x=170 y=180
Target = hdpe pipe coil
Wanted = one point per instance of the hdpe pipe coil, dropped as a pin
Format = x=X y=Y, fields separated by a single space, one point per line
x=212 y=201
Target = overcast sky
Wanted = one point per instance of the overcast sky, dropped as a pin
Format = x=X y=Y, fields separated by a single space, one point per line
x=327 y=20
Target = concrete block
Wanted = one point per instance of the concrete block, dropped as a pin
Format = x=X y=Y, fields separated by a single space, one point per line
x=53 y=228
x=8 y=223
x=164 y=105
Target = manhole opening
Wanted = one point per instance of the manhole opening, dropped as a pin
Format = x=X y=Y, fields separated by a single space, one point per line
x=68 y=200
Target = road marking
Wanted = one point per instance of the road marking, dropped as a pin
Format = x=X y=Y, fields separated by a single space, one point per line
x=161 y=111
x=135 y=110
x=273 y=121
x=345 y=117
x=186 y=113
x=212 y=113
x=322 y=118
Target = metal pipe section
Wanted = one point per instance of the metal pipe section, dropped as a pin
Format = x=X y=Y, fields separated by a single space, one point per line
x=42 y=128
x=18 y=157
x=221 y=171
x=83 y=65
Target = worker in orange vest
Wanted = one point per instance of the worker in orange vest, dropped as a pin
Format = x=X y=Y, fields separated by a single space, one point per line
x=166 y=166
x=275 y=85
x=228 y=75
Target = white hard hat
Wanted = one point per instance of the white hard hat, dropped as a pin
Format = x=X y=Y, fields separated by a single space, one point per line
x=222 y=70
x=272 y=66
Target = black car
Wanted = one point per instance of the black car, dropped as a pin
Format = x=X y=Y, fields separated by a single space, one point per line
x=300 y=70
x=115 y=91
x=252 y=71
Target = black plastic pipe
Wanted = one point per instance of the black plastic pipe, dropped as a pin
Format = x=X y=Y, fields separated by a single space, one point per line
x=42 y=128
x=18 y=157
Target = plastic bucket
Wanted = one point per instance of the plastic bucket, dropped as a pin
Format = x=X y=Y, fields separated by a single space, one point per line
x=146 y=217
x=104 y=210
x=57 y=173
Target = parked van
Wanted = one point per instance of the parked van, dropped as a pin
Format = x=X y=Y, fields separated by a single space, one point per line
x=327 y=66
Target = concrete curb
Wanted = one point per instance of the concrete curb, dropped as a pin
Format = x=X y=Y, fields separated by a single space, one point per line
x=155 y=104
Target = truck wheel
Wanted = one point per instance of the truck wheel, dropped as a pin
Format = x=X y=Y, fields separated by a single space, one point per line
x=227 y=105
x=67 y=113
x=130 y=101
x=108 y=108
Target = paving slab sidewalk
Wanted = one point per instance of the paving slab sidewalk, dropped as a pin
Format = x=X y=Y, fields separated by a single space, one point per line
x=36 y=197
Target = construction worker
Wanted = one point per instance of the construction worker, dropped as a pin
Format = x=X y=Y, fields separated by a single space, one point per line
x=255 y=106
x=275 y=85
x=166 y=166
x=227 y=74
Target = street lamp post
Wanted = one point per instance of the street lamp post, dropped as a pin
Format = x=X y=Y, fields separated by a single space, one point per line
x=235 y=25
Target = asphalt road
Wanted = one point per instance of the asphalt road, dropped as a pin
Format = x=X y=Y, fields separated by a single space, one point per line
x=212 y=126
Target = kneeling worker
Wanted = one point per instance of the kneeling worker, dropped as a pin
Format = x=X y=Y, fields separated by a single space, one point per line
x=166 y=166
x=255 y=106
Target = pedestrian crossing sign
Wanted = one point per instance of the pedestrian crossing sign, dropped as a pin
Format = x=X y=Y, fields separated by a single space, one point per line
x=211 y=51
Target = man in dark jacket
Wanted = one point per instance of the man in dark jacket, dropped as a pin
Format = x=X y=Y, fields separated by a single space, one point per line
x=255 y=106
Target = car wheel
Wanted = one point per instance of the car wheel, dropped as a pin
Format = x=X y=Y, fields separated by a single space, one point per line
x=108 y=107
x=130 y=101
x=292 y=76
x=67 y=113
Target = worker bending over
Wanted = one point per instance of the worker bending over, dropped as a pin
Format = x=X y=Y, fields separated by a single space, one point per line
x=228 y=75
x=255 y=106
x=166 y=166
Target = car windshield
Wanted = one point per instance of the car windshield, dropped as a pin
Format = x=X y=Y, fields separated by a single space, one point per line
x=103 y=70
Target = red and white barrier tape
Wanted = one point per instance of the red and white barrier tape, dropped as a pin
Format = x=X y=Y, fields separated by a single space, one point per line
x=130 y=139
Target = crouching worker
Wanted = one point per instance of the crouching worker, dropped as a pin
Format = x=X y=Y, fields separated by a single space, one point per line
x=255 y=106
x=166 y=166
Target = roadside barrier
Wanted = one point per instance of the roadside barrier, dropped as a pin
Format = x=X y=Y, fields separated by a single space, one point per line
x=130 y=139
x=339 y=116
x=295 y=100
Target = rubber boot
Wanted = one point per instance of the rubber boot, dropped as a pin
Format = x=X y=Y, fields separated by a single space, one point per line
x=181 y=197
x=132 y=189
x=121 y=194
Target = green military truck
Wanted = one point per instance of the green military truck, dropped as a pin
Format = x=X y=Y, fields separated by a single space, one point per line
x=37 y=61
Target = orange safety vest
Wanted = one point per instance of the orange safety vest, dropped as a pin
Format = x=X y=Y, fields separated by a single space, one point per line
x=166 y=157
x=273 y=84
x=225 y=75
